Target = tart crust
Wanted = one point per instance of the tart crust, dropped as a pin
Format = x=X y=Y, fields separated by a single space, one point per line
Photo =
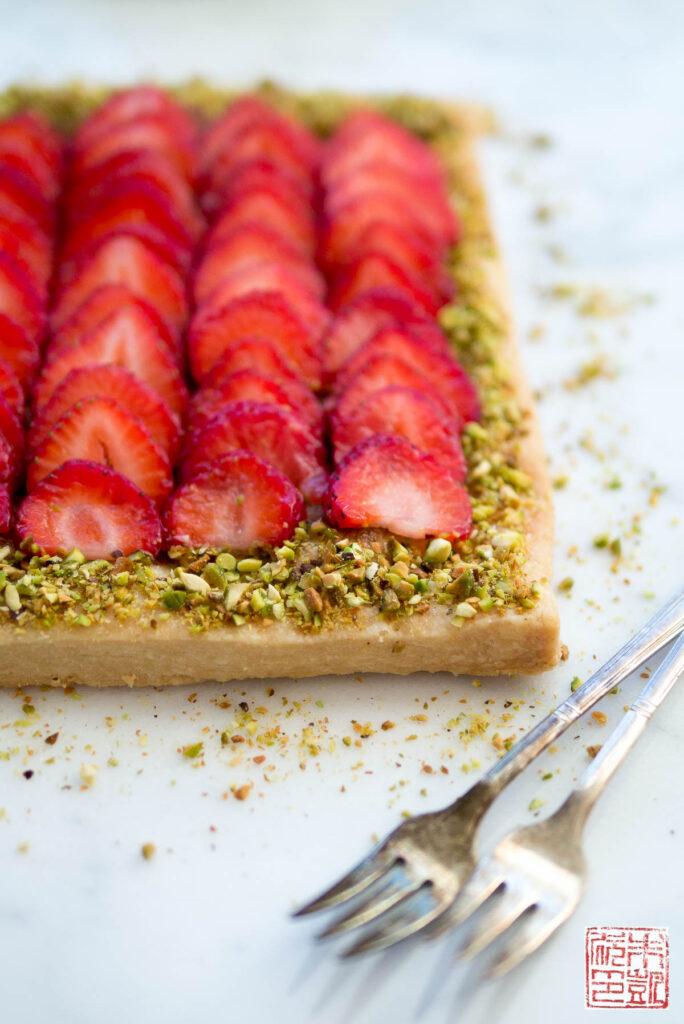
x=513 y=640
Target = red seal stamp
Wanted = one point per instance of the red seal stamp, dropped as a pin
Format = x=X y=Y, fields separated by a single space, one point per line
x=627 y=968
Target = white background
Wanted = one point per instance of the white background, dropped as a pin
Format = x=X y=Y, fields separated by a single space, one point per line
x=91 y=931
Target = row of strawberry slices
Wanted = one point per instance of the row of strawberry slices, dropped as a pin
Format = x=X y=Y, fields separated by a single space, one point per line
x=30 y=172
x=398 y=398
x=110 y=398
x=253 y=452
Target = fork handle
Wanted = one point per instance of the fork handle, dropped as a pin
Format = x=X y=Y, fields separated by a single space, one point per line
x=657 y=632
x=595 y=777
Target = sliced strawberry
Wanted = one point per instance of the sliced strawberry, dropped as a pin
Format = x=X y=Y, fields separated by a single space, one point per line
x=387 y=482
x=270 y=279
x=361 y=319
x=148 y=132
x=271 y=206
x=125 y=338
x=28 y=134
x=136 y=102
x=21 y=240
x=265 y=315
x=408 y=250
x=366 y=137
x=19 y=299
x=264 y=141
x=261 y=355
x=381 y=371
x=443 y=371
x=225 y=180
x=246 y=113
x=5 y=510
x=239 y=252
x=114 y=382
x=341 y=234
x=405 y=412
x=21 y=194
x=375 y=270
x=12 y=447
x=269 y=432
x=100 y=430
x=238 y=501
x=124 y=259
x=20 y=350
x=10 y=388
x=88 y=506
x=254 y=387
x=100 y=303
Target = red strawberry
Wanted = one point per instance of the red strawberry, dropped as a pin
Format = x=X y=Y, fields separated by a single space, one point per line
x=269 y=432
x=114 y=382
x=19 y=350
x=223 y=181
x=270 y=279
x=261 y=355
x=375 y=270
x=361 y=319
x=124 y=259
x=438 y=366
x=266 y=315
x=405 y=412
x=255 y=387
x=100 y=303
x=136 y=102
x=408 y=250
x=389 y=483
x=30 y=135
x=250 y=111
x=260 y=142
x=15 y=159
x=271 y=206
x=240 y=251
x=342 y=232
x=23 y=242
x=20 y=193
x=11 y=446
x=125 y=338
x=100 y=430
x=5 y=510
x=366 y=137
x=381 y=371
x=10 y=388
x=238 y=501
x=19 y=299
x=88 y=506
x=149 y=132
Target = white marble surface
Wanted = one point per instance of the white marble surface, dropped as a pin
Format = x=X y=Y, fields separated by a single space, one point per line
x=91 y=931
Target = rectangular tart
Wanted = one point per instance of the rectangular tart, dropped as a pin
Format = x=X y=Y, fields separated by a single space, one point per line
x=327 y=600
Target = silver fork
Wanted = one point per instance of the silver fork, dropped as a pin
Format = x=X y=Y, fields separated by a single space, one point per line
x=539 y=872
x=412 y=878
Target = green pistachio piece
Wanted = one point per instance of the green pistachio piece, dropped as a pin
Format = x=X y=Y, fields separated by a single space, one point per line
x=174 y=599
x=437 y=551
x=226 y=561
x=249 y=565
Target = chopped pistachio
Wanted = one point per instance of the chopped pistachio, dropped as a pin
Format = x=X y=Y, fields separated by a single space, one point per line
x=465 y=611
x=214 y=575
x=12 y=599
x=89 y=773
x=174 y=599
x=616 y=547
x=226 y=561
x=567 y=583
x=193 y=750
x=75 y=557
x=536 y=803
x=249 y=565
x=437 y=551
x=601 y=540
x=234 y=595
x=575 y=684
x=192 y=582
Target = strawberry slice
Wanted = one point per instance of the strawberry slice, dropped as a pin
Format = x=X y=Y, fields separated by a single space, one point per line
x=19 y=299
x=10 y=388
x=21 y=240
x=223 y=181
x=269 y=432
x=100 y=430
x=146 y=133
x=31 y=137
x=247 y=384
x=264 y=141
x=237 y=253
x=341 y=234
x=266 y=315
x=405 y=412
x=5 y=510
x=114 y=382
x=270 y=279
x=375 y=270
x=261 y=355
x=381 y=371
x=20 y=193
x=124 y=338
x=124 y=259
x=388 y=482
x=88 y=506
x=11 y=446
x=269 y=205
x=367 y=314
x=438 y=366
x=366 y=137
x=20 y=350
x=136 y=102
x=100 y=303
x=238 y=501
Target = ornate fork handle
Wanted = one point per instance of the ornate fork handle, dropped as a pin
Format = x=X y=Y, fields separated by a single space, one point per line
x=657 y=632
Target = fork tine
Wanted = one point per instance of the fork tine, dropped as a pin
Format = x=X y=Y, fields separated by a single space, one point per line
x=507 y=908
x=539 y=925
x=367 y=871
x=485 y=879
x=391 y=895
x=395 y=931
